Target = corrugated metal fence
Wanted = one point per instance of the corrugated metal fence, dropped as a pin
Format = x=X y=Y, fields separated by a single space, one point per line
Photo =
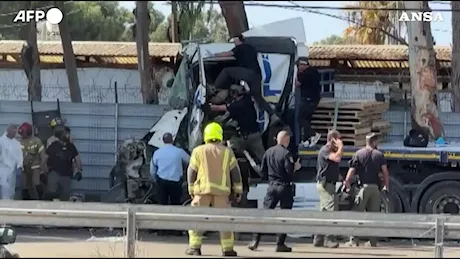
x=95 y=127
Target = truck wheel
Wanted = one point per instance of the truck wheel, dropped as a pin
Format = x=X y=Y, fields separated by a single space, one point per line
x=442 y=197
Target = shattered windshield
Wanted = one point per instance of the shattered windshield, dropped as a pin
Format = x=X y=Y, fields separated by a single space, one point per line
x=179 y=89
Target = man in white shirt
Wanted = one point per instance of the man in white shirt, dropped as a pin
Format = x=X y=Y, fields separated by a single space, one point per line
x=11 y=160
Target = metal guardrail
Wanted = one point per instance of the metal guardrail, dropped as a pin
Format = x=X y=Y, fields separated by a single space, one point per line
x=133 y=217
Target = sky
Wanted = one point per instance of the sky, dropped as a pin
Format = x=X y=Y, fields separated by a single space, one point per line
x=318 y=27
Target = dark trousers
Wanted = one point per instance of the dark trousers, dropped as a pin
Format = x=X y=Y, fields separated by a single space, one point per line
x=307 y=109
x=277 y=192
x=58 y=186
x=170 y=192
x=233 y=75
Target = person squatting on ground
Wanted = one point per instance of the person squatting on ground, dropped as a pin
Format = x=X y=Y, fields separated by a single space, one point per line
x=166 y=169
x=278 y=167
x=33 y=153
x=60 y=158
x=367 y=162
x=213 y=176
x=309 y=82
x=329 y=157
x=247 y=70
x=242 y=110
x=11 y=160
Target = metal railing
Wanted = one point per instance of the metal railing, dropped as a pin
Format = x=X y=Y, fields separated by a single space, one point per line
x=133 y=217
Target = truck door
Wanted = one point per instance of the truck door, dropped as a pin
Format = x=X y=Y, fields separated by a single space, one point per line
x=195 y=125
x=277 y=62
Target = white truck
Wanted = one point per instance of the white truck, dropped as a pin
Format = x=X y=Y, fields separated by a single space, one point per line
x=277 y=58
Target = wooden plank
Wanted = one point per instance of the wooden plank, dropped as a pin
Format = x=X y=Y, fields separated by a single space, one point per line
x=330 y=103
x=342 y=129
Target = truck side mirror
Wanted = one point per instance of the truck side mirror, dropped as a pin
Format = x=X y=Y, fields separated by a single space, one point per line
x=7 y=235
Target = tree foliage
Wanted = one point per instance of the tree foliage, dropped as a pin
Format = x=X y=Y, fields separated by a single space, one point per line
x=373 y=26
x=108 y=21
x=336 y=40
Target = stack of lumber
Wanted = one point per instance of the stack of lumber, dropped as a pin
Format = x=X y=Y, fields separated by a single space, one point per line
x=355 y=119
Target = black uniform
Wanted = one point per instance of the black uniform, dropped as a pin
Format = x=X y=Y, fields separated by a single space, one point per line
x=278 y=167
x=247 y=69
x=310 y=93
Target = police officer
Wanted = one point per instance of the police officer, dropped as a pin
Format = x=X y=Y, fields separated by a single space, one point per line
x=33 y=153
x=278 y=166
x=242 y=110
x=214 y=163
x=329 y=157
x=60 y=158
x=366 y=163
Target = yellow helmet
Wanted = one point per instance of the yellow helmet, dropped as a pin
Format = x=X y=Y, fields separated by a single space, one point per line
x=56 y=121
x=213 y=131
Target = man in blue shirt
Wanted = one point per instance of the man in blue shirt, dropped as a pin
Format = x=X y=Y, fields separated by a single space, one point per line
x=167 y=170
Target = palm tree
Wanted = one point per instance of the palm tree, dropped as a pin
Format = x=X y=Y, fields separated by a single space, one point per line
x=373 y=26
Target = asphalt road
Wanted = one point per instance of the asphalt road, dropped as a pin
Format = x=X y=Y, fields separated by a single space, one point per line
x=66 y=243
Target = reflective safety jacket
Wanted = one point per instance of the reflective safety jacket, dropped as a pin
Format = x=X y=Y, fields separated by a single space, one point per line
x=213 y=170
x=31 y=149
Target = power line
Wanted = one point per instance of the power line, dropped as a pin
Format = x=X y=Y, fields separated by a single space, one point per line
x=389 y=34
x=344 y=8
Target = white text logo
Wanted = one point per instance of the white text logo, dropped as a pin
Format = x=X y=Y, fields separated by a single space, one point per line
x=421 y=17
x=53 y=16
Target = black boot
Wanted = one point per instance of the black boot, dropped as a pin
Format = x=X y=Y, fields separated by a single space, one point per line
x=230 y=253
x=193 y=251
x=283 y=248
x=255 y=242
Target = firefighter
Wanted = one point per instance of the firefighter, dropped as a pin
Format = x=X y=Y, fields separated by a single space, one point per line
x=213 y=176
x=55 y=122
x=33 y=152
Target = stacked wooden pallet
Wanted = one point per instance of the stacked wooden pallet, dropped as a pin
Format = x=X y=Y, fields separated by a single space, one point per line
x=355 y=119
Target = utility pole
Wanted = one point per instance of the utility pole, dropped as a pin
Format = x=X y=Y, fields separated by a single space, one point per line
x=423 y=74
x=174 y=22
x=149 y=93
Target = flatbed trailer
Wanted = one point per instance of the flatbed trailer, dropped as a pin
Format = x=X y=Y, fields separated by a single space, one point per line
x=423 y=180
x=449 y=153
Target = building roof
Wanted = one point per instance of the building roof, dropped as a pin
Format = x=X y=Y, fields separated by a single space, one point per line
x=89 y=48
x=370 y=52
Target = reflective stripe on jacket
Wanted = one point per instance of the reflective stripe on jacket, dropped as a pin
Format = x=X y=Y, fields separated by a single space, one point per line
x=214 y=164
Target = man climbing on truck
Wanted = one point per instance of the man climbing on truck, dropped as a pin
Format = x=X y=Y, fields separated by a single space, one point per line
x=247 y=70
x=309 y=82
x=242 y=110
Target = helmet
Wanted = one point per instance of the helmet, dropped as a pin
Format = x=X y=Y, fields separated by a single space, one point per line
x=25 y=130
x=213 y=131
x=56 y=121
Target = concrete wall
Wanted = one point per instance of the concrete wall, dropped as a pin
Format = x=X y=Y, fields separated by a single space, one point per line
x=94 y=128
